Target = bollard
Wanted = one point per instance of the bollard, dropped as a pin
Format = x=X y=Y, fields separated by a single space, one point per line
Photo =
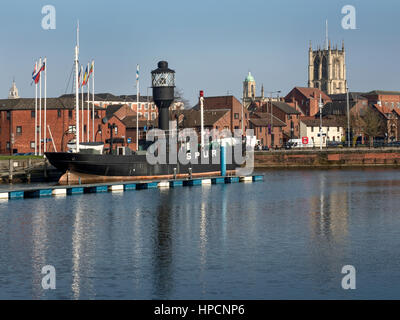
x=223 y=161
x=190 y=173
x=10 y=169
x=28 y=175
x=174 y=173
x=45 y=169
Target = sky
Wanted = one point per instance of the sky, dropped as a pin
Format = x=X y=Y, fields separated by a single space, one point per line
x=211 y=44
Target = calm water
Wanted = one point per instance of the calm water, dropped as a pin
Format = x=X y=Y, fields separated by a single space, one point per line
x=286 y=237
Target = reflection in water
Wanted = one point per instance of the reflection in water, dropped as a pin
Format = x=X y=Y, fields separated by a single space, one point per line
x=286 y=237
x=329 y=227
x=203 y=225
x=76 y=252
x=163 y=246
x=39 y=248
x=329 y=212
x=83 y=250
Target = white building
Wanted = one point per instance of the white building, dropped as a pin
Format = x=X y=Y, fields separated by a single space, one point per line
x=331 y=131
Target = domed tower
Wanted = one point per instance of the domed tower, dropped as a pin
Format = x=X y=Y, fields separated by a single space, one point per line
x=249 y=87
x=13 y=93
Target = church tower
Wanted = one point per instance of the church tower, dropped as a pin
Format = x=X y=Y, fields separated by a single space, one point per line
x=13 y=93
x=249 y=87
x=327 y=69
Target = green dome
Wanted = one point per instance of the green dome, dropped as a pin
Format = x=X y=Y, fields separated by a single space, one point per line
x=249 y=78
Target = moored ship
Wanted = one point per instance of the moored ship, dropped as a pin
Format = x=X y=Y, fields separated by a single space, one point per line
x=86 y=163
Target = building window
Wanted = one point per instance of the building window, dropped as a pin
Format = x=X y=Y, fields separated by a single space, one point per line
x=236 y=116
x=32 y=114
x=8 y=115
x=312 y=129
x=153 y=107
x=8 y=145
x=146 y=115
x=59 y=113
x=146 y=106
x=19 y=130
x=84 y=128
x=70 y=114
x=153 y=116
x=139 y=114
x=71 y=129
x=32 y=144
x=338 y=129
x=139 y=107
x=116 y=130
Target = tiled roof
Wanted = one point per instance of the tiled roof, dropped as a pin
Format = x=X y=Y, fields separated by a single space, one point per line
x=316 y=122
x=312 y=93
x=262 y=119
x=382 y=92
x=352 y=96
x=336 y=108
x=192 y=117
x=64 y=102
x=285 y=107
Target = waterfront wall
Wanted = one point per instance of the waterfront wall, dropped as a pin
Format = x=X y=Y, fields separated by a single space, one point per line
x=27 y=170
x=327 y=158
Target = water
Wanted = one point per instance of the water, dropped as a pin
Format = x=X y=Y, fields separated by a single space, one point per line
x=285 y=238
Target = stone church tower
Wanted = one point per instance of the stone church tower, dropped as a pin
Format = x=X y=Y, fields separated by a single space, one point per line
x=327 y=69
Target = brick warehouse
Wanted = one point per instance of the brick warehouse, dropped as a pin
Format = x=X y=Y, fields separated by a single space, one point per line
x=17 y=122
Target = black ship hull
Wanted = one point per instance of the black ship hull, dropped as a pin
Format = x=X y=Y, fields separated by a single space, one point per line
x=108 y=165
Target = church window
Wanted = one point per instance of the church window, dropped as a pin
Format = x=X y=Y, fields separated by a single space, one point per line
x=324 y=68
x=316 y=68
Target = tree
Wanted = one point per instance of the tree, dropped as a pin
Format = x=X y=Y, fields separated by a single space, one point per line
x=372 y=125
x=179 y=97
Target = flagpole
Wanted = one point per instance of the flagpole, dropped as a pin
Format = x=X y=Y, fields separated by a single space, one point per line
x=137 y=107
x=36 y=120
x=93 y=102
x=45 y=105
x=83 y=106
x=40 y=108
x=88 y=115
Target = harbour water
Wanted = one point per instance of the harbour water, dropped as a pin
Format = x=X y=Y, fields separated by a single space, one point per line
x=287 y=237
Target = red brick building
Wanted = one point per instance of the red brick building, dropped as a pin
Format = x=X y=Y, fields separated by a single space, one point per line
x=306 y=100
x=17 y=124
x=233 y=105
x=268 y=135
x=287 y=114
x=390 y=99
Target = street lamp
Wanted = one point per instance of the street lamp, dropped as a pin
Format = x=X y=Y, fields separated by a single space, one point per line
x=320 y=105
x=270 y=103
x=348 y=118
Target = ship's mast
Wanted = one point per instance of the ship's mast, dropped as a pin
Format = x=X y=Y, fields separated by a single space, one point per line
x=77 y=89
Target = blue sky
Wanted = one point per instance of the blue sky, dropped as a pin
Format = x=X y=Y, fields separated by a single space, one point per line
x=211 y=44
